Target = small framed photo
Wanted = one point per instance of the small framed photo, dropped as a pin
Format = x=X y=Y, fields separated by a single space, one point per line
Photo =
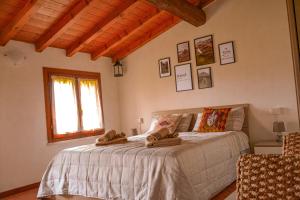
x=204 y=78
x=164 y=67
x=183 y=52
x=204 y=50
x=183 y=77
x=226 y=51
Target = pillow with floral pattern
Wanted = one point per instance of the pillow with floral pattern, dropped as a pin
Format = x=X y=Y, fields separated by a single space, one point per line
x=168 y=121
x=214 y=120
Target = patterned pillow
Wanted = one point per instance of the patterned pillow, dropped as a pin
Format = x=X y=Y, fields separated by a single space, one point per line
x=185 y=122
x=168 y=121
x=214 y=120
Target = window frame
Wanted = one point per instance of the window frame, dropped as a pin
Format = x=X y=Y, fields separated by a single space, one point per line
x=47 y=73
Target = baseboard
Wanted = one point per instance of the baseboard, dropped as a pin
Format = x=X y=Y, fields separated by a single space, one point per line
x=18 y=190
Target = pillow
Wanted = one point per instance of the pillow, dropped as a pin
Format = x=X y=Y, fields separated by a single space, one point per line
x=197 y=123
x=214 y=120
x=168 y=121
x=153 y=124
x=235 y=119
x=184 y=123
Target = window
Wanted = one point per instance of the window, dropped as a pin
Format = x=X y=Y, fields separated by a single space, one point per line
x=73 y=104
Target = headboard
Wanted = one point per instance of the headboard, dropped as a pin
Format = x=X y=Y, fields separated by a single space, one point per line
x=245 y=128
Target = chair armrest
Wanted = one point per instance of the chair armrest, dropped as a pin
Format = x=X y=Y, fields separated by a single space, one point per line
x=268 y=177
x=291 y=144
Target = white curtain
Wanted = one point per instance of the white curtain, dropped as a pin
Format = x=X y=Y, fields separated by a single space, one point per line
x=65 y=105
x=90 y=104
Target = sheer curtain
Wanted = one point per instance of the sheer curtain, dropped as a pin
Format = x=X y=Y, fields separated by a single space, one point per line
x=90 y=104
x=65 y=105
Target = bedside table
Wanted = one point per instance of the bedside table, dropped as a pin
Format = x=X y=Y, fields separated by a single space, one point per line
x=268 y=147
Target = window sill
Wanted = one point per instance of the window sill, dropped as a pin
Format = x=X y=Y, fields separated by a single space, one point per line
x=77 y=135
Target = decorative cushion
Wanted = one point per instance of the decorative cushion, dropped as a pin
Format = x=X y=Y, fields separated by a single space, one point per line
x=184 y=123
x=197 y=123
x=214 y=120
x=235 y=119
x=168 y=121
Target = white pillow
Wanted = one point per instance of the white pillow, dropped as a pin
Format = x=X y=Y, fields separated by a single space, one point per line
x=153 y=124
x=235 y=119
x=197 y=123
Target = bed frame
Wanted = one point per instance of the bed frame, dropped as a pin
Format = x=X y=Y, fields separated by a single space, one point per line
x=245 y=129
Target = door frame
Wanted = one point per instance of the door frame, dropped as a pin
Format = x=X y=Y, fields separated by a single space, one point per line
x=295 y=50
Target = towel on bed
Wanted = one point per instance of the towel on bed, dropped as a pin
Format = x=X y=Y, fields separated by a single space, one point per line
x=158 y=135
x=164 y=142
x=111 y=137
x=162 y=134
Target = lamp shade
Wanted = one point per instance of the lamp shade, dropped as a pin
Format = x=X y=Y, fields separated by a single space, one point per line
x=278 y=126
x=276 y=111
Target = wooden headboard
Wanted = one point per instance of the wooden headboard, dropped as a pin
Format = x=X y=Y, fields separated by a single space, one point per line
x=245 y=128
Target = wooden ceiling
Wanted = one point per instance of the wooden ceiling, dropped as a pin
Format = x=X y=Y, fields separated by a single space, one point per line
x=111 y=28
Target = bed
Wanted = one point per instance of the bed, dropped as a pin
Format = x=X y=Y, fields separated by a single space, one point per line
x=199 y=168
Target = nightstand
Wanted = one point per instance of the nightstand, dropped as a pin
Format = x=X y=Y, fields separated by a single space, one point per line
x=268 y=147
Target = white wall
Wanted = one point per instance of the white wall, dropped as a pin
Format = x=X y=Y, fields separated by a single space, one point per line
x=262 y=75
x=24 y=152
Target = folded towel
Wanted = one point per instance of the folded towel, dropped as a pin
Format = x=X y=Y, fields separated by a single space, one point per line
x=111 y=137
x=120 y=140
x=108 y=136
x=174 y=135
x=164 y=142
x=158 y=135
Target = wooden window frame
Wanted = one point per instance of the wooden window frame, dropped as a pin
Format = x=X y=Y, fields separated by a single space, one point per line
x=47 y=73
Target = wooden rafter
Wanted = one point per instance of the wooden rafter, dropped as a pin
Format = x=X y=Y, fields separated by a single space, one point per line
x=183 y=9
x=165 y=25
x=95 y=31
x=21 y=17
x=61 y=24
x=202 y=4
x=107 y=48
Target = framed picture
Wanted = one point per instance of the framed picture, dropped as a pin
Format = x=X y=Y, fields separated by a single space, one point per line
x=226 y=51
x=204 y=78
x=183 y=77
x=164 y=67
x=183 y=52
x=204 y=50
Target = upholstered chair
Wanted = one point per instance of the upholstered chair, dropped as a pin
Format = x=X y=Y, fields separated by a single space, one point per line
x=271 y=176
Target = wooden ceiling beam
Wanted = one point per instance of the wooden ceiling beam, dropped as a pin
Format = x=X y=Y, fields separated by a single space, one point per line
x=21 y=17
x=183 y=9
x=204 y=3
x=164 y=26
x=62 y=24
x=96 y=30
x=144 y=22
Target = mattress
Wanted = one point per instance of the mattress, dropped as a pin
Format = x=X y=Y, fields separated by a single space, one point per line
x=199 y=168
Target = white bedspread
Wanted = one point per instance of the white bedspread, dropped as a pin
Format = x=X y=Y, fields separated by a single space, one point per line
x=199 y=168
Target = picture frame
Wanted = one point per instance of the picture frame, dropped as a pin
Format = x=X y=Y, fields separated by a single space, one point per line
x=226 y=52
x=164 y=67
x=204 y=50
x=183 y=77
x=183 y=52
x=204 y=78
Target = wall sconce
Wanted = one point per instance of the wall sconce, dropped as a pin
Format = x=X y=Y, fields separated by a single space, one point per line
x=118 y=69
x=140 y=122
